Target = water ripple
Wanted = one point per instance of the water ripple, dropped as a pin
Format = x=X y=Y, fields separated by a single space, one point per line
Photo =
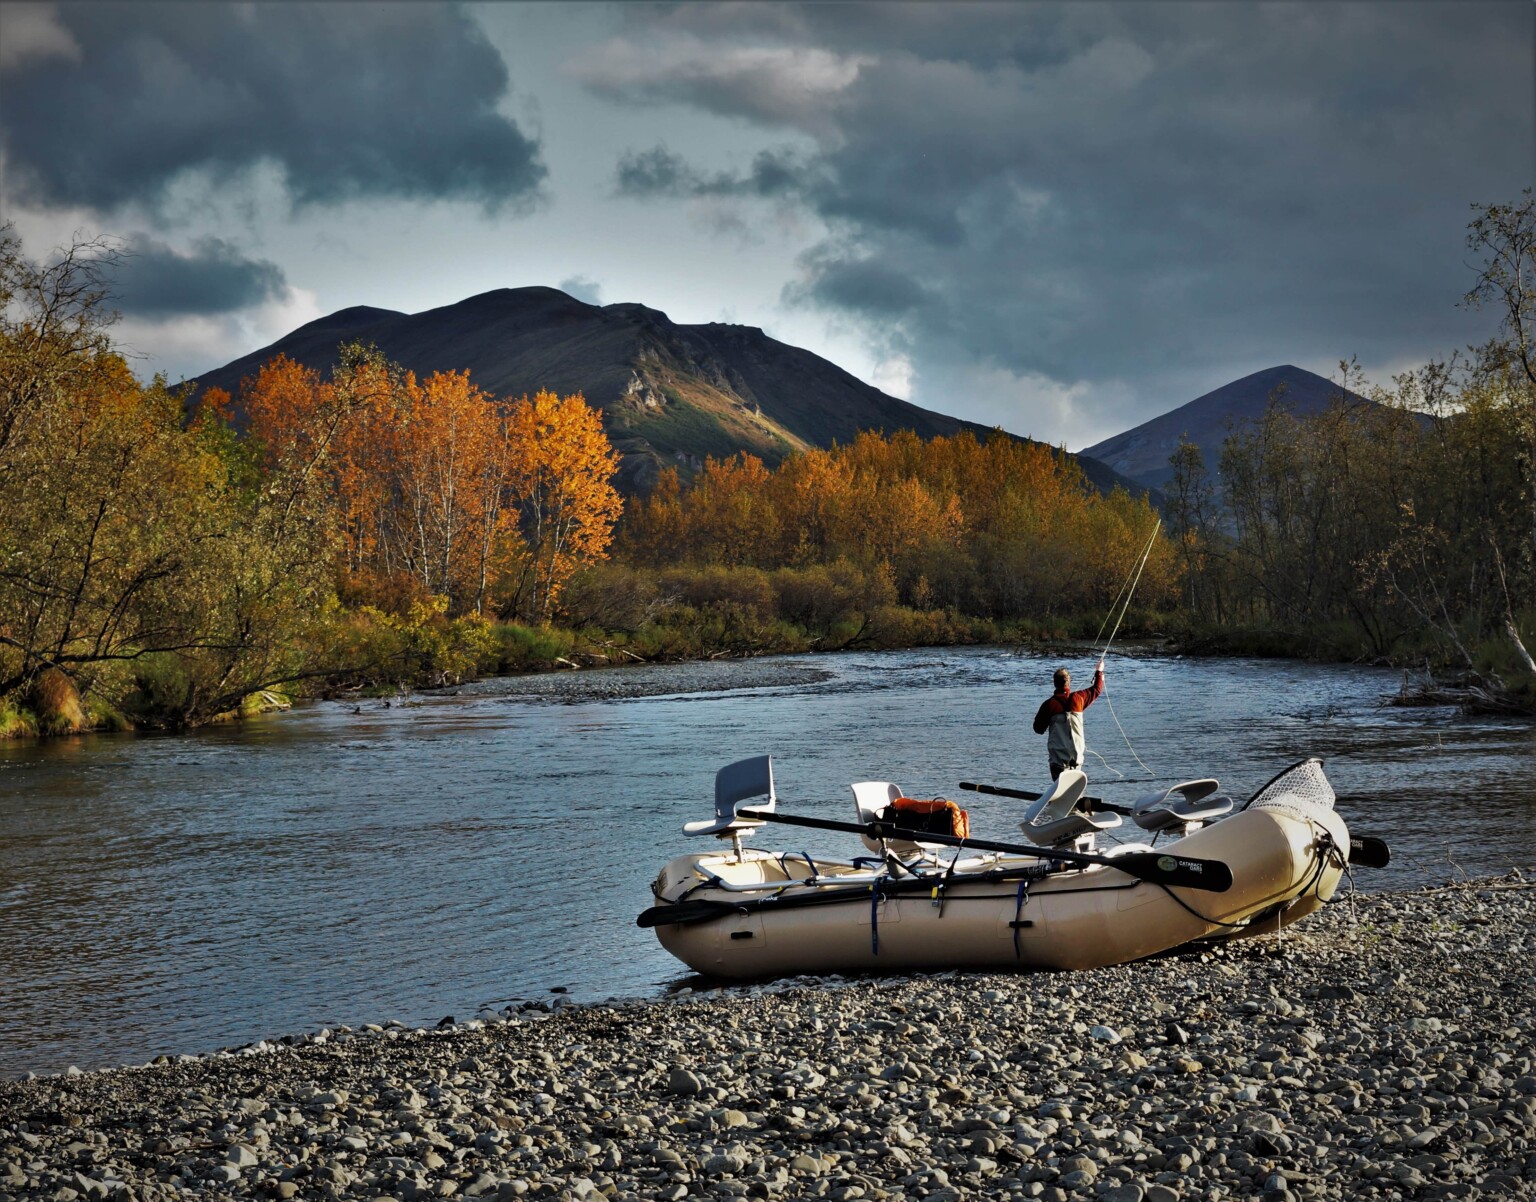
x=179 y=894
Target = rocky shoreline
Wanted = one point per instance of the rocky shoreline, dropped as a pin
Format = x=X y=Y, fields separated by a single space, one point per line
x=1385 y=1048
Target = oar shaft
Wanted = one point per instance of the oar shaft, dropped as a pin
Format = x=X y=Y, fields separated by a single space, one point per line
x=1211 y=875
x=1093 y=805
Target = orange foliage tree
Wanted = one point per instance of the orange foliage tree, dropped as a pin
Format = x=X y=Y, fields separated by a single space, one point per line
x=559 y=481
x=437 y=489
x=998 y=527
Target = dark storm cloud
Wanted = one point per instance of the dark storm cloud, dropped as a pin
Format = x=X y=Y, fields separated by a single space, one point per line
x=1145 y=193
x=153 y=281
x=659 y=172
x=863 y=286
x=348 y=100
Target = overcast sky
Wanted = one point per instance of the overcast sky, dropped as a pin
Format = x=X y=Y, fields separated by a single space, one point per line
x=1059 y=218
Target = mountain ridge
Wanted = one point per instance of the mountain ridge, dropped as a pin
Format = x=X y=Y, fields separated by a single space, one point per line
x=670 y=393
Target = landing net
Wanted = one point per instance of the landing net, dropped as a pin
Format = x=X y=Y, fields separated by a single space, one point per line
x=1299 y=788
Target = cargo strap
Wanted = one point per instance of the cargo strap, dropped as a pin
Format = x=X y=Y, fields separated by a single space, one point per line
x=804 y=855
x=1018 y=911
x=938 y=890
x=874 y=918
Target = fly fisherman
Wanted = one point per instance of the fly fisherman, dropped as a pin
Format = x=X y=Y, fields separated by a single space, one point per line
x=1060 y=719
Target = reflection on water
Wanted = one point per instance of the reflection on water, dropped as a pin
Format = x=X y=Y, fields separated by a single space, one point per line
x=172 y=894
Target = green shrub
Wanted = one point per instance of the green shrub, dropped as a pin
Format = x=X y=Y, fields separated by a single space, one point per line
x=101 y=715
x=160 y=687
x=16 y=722
x=530 y=648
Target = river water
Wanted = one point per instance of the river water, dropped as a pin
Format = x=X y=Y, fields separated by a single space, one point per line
x=422 y=858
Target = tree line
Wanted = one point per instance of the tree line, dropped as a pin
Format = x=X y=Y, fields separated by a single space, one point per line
x=166 y=558
x=165 y=562
x=996 y=528
x=1403 y=530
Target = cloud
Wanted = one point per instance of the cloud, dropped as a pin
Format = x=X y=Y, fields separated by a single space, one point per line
x=345 y=100
x=660 y=172
x=774 y=85
x=863 y=285
x=893 y=376
x=186 y=345
x=582 y=288
x=155 y=282
x=33 y=31
x=1078 y=204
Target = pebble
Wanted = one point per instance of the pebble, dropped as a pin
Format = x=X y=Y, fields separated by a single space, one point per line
x=1384 y=1048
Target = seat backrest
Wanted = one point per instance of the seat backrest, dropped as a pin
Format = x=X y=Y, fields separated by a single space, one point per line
x=1190 y=801
x=735 y=785
x=1055 y=818
x=869 y=798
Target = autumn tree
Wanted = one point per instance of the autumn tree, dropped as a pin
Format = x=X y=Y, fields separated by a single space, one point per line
x=559 y=483
x=999 y=528
x=139 y=558
x=54 y=324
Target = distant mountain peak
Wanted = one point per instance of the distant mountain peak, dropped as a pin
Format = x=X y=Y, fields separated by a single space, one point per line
x=1142 y=452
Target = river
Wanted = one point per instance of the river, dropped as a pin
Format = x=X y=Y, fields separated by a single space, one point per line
x=430 y=855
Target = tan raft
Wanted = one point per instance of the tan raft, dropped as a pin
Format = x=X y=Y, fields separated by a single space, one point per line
x=745 y=913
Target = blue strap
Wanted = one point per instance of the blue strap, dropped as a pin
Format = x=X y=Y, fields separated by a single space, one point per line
x=1018 y=910
x=874 y=918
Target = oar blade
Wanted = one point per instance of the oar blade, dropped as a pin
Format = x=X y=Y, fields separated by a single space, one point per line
x=1369 y=852
x=682 y=913
x=1181 y=872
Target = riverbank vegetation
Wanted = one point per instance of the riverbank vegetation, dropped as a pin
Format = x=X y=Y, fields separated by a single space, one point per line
x=1399 y=531
x=167 y=560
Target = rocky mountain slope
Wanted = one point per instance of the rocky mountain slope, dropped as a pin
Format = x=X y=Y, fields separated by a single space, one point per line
x=669 y=393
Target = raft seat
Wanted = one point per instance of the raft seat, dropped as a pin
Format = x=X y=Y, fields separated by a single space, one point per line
x=736 y=785
x=1188 y=805
x=1056 y=818
x=869 y=798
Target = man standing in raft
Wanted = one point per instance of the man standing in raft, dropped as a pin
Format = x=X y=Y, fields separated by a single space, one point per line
x=1062 y=715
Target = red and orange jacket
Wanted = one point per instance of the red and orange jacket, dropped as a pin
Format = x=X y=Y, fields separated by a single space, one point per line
x=1061 y=713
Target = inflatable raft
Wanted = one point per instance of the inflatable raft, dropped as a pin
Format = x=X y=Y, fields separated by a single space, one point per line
x=926 y=899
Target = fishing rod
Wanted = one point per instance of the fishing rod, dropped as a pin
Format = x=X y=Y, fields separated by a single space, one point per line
x=1124 y=609
x=1135 y=579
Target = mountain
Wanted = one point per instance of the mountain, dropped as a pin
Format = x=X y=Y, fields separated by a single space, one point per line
x=669 y=393
x=1142 y=452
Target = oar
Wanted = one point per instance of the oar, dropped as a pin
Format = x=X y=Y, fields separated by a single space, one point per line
x=685 y=912
x=1364 y=850
x=1369 y=852
x=1210 y=875
x=1092 y=805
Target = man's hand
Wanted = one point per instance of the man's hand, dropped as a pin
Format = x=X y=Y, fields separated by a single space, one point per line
x=1099 y=667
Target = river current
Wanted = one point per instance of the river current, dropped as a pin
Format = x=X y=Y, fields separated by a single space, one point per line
x=435 y=854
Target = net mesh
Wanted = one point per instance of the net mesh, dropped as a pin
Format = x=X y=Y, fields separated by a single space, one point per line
x=1298 y=788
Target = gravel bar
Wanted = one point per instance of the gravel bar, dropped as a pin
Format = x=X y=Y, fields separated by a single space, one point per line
x=648 y=680
x=1384 y=1048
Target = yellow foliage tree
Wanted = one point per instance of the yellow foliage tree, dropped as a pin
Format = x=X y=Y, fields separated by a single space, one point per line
x=559 y=482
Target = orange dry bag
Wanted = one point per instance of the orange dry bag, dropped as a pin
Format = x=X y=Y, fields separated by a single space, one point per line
x=935 y=816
